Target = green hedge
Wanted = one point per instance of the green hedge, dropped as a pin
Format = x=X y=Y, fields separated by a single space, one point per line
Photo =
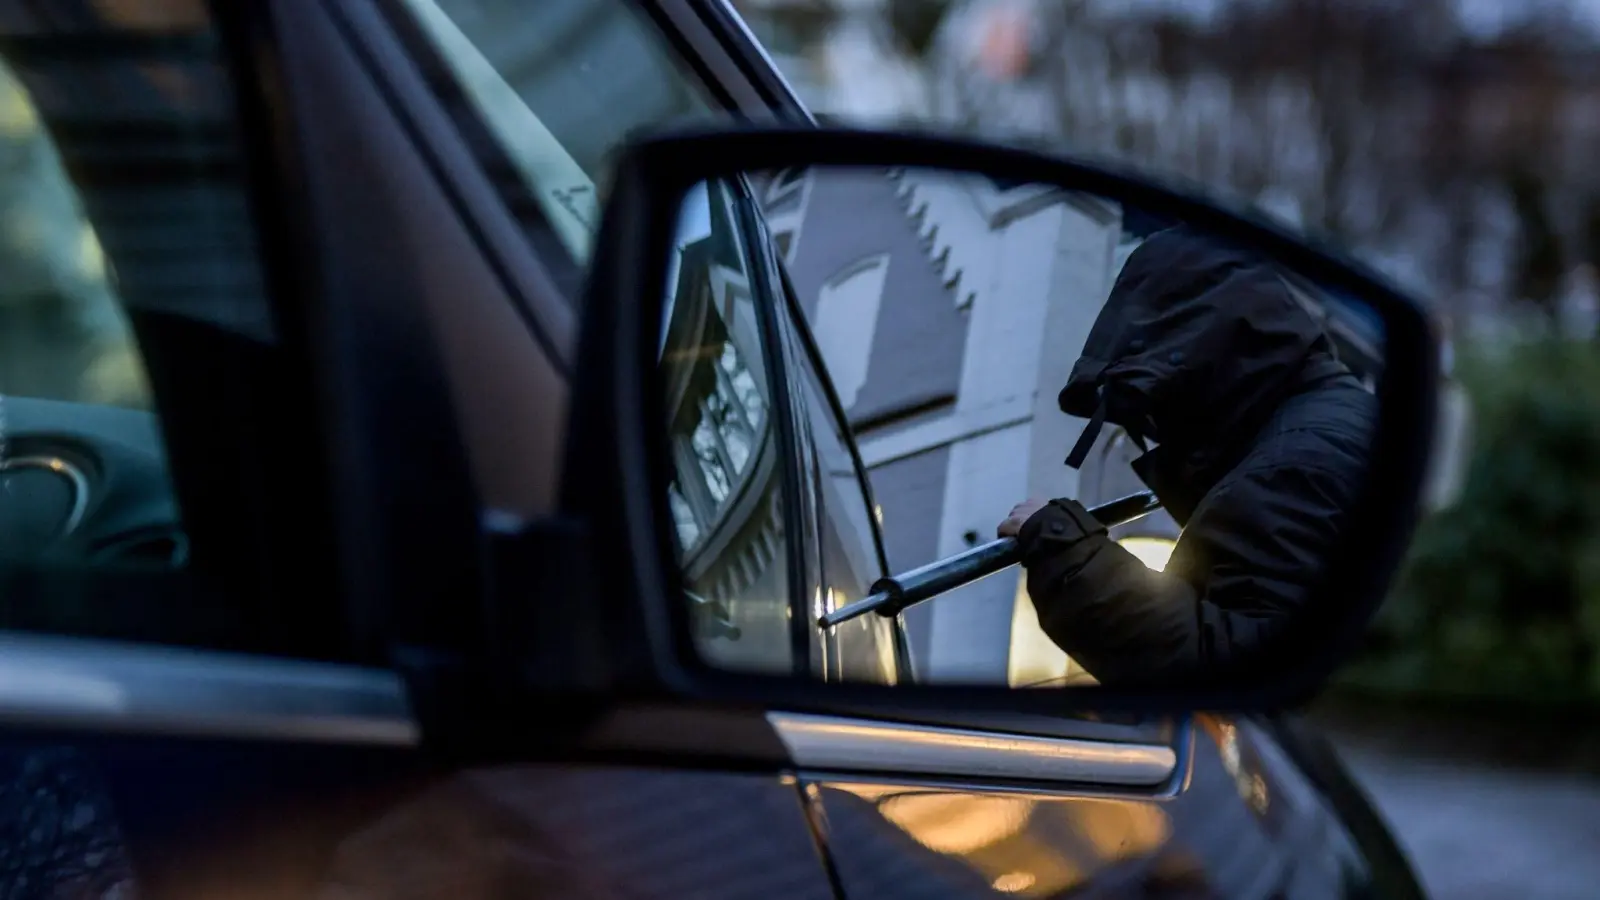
x=1500 y=598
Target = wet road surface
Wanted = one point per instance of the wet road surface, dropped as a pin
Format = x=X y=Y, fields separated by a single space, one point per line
x=1478 y=828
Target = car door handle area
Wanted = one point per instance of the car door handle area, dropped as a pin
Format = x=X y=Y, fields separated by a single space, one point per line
x=839 y=744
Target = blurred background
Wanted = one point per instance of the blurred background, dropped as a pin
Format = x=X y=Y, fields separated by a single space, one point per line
x=1453 y=145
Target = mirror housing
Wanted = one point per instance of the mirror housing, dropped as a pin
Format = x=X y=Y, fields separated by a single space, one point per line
x=617 y=471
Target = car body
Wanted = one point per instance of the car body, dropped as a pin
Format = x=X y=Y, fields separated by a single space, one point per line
x=330 y=227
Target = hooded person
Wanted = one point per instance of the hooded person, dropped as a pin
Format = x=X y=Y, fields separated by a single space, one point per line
x=1261 y=436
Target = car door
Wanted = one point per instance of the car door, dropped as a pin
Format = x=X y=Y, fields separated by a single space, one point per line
x=514 y=108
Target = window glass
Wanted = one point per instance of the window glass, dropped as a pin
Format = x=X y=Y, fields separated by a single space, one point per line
x=123 y=213
x=726 y=496
x=862 y=649
x=553 y=88
x=63 y=334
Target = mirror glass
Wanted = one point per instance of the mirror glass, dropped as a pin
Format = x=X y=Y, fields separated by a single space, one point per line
x=1093 y=443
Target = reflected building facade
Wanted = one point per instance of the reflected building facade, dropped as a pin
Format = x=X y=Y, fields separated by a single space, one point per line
x=950 y=310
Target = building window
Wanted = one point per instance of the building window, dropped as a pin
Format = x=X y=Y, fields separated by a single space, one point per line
x=716 y=469
x=847 y=321
x=742 y=385
x=683 y=516
x=730 y=417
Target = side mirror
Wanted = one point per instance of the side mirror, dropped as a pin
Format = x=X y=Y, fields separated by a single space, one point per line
x=1279 y=400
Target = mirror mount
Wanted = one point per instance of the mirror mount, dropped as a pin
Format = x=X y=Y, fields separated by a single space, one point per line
x=532 y=641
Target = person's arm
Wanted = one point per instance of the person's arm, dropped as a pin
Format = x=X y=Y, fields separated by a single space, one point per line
x=1246 y=557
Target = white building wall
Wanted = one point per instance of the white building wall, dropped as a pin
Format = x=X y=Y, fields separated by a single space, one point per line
x=971 y=626
x=1048 y=276
x=1087 y=260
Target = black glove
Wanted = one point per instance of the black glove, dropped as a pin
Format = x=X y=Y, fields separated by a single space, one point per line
x=1057 y=534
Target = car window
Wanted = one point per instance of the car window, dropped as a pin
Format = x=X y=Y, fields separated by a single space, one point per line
x=726 y=496
x=550 y=90
x=64 y=336
x=862 y=649
x=125 y=223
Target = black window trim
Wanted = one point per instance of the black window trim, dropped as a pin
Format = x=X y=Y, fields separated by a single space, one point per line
x=807 y=467
x=754 y=247
x=812 y=355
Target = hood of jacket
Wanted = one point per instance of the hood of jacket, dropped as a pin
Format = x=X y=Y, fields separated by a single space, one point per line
x=1195 y=347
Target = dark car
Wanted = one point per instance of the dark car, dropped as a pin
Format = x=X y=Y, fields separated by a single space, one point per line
x=254 y=254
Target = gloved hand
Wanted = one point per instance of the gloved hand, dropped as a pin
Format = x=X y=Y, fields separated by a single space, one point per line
x=1048 y=528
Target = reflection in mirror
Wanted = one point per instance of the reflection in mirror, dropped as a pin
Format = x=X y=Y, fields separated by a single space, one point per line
x=847 y=564
x=1013 y=361
x=725 y=496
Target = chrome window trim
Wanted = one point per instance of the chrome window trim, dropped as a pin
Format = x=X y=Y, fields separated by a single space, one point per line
x=79 y=683
x=862 y=745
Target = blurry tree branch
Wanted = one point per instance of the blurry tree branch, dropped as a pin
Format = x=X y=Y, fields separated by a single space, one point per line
x=1462 y=160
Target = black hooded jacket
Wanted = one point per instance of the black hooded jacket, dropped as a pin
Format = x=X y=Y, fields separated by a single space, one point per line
x=1263 y=439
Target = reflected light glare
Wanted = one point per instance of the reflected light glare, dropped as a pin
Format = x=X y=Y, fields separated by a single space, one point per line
x=17 y=116
x=1011 y=882
x=1257 y=794
x=91 y=256
x=1153 y=552
x=867 y=792
x=957 y=823
x=1121 y=829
